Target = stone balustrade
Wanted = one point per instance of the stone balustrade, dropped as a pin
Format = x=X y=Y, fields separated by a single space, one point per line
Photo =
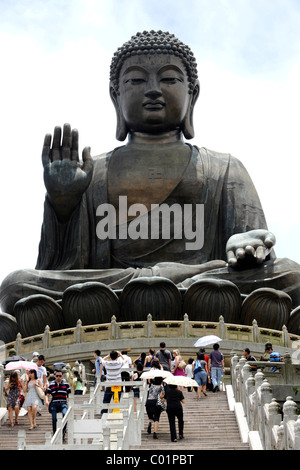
x=149 y=329
x=269 y=400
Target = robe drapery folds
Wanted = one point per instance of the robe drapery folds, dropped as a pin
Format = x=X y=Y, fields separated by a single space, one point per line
x=71 y=253
x=218 y=181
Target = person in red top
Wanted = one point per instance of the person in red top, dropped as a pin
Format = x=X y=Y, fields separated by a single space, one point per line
x=59 y=389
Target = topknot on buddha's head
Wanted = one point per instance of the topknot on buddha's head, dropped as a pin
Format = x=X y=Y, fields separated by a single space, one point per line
x=154 y=42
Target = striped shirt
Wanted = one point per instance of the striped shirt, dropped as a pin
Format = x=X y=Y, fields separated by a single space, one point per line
x=113 y=369
x=58 y=391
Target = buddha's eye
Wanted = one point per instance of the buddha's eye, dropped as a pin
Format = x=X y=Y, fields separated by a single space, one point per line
x=135 y=81
x=170 y=80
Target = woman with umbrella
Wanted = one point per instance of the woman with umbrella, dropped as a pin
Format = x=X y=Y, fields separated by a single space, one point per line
x=174 y=398
x=155 y=377
x=13 y=390
x=32 y=402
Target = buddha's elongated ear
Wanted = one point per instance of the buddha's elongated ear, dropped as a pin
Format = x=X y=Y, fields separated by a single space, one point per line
x=188 y=125
x=121 y=131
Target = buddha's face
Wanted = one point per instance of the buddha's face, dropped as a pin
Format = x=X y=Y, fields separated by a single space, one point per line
x=154 y=94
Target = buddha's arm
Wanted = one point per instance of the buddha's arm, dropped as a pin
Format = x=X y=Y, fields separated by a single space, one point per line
x=66 y=178
x=247 y=235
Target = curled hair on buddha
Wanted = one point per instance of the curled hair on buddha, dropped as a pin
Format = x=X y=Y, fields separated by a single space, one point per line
x=154 y=42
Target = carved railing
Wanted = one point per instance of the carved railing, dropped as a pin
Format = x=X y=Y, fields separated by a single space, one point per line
x=277 y=424
x=149 y=329
x=115 y=431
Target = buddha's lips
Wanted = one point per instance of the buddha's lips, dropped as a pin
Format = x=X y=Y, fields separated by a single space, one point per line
x=155 y=105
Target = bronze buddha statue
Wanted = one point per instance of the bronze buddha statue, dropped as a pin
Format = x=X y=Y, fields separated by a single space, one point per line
x=98 y=212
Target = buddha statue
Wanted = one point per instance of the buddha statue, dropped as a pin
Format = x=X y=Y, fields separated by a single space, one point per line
x=156 y=207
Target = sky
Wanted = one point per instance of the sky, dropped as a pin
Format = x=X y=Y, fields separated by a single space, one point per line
x=55 y=57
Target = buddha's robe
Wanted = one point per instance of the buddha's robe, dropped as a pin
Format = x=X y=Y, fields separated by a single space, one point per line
x=71 y=253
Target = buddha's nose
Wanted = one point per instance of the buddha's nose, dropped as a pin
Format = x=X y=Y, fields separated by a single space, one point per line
x=153 y=90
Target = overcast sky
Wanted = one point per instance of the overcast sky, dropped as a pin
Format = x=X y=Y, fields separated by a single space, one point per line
x=55 y=57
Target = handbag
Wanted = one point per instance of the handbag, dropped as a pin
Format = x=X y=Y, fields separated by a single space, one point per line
x=181 y=365
x=40 y=392
x=21 y=399
x=160 y=403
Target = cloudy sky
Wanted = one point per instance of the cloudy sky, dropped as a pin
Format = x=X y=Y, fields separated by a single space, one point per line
x=55 y=57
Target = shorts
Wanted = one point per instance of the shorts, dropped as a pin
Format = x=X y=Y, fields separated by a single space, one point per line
x=201 y=377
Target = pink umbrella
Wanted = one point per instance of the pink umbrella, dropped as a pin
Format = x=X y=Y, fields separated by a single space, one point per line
x=21 y=365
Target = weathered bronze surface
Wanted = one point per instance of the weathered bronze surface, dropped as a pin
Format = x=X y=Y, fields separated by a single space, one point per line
x=154 y=88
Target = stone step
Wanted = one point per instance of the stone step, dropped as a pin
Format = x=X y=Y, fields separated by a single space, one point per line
x=202 y=420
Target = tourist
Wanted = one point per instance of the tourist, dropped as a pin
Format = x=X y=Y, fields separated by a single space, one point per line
x=13 y=390
x=273 y=357
x=248 y=356
x=179 y=364
x=216 y=367
x=189 y=371
x=32 y=401
x=59 y=390
x=113 y=363
x=200 y=371
x=77 y=381
x=140 y=360
x=164 y=356
x=136 y=377
x=35 y=356
x=126 y=372
x=174 y=399
x=153 y=410
x=96 y=371
x=149 y=358
x=42 y=371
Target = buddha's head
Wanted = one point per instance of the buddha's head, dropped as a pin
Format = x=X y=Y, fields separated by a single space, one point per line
x=154 y=85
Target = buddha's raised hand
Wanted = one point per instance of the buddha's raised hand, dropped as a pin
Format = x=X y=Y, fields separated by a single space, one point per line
x=65 y=177
x=255 y=244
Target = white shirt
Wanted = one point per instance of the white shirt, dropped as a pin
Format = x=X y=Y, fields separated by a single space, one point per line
x=113 y=369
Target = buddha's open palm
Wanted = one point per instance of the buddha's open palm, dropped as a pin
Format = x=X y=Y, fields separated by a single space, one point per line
x=65 y=177
x=255 y=244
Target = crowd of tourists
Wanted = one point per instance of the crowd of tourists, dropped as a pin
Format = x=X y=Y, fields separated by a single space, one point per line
x=33 y=389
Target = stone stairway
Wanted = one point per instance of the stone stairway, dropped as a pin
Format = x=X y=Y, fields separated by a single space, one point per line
x=208 y=425
x=9 y=436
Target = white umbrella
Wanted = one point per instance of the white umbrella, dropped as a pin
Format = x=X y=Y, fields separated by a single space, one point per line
x=21 y=365
x=206 y=340
x=180 y=380
x=152 y=373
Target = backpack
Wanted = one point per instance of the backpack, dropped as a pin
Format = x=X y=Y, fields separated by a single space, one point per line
x=198 y=368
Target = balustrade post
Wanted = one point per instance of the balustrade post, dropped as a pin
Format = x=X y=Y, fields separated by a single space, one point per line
x=46 y=337
x=186 y=323
x=297 y=434
x=250 y=391
x=288 y=369
x=274 y=420
x=18 y=344
x=222 y=327
x=289 y=410
x=285 y=336
x=59 y=427
x=255 y=332
x=113 y=323
x=149 y=326
x=265 y=398
x=245 y=374
x=106 y=438
x=78 y=331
